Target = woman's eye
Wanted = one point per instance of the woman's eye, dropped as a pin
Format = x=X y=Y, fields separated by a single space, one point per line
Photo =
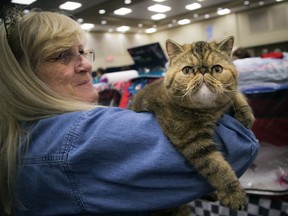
x=82 y=52
x=188 y=70
x=217 y=69
x=65 y=56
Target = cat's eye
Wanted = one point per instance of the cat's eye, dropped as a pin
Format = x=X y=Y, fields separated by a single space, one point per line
x=217 y=69
x=188 y=70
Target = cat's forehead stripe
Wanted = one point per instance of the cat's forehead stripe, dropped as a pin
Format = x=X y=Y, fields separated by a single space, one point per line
x=200 y=47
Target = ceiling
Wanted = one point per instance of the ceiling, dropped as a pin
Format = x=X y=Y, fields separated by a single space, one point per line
x=140 y=18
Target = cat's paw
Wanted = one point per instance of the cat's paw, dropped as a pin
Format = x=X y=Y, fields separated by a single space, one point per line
x=247 y=118
x=234 y=199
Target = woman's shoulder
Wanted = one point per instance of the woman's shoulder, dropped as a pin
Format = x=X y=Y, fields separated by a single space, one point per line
x=96 y=114
x=54 y=133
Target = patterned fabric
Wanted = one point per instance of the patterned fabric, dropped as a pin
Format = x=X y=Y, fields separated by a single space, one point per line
x=109 y=97
x=133 y=86
x=257 y=206
x=11 y=16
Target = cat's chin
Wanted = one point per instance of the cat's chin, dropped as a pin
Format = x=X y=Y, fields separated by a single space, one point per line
x=204 y=97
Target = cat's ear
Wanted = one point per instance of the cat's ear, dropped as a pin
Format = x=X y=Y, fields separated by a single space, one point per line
x=226 y=45
x=173 y=48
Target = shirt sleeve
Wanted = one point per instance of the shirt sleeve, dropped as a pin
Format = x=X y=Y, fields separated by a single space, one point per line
x=122 y=161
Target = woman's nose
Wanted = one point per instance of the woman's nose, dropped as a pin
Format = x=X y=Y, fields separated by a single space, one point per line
x=83 y=64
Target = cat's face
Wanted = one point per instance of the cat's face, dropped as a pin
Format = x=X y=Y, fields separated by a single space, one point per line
x=201 y=74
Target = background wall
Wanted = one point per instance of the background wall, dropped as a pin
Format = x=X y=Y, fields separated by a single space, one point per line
x=264 y=26
x=111 y=48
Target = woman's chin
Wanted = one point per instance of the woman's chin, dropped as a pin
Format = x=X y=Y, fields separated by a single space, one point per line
x=89 y=96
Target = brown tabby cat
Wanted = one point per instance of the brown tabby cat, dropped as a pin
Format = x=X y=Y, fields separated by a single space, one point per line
x=198 y=88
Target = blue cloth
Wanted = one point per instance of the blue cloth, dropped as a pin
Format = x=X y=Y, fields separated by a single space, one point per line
x=110 y=160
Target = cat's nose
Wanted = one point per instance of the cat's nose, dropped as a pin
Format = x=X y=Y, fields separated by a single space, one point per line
x=203 y=70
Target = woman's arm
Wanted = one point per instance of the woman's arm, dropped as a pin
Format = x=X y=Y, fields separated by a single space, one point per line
x=123 y=162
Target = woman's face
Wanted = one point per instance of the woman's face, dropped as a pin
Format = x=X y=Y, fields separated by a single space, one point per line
x=69 y=73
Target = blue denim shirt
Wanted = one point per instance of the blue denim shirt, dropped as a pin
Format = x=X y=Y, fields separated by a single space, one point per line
x=112 y=160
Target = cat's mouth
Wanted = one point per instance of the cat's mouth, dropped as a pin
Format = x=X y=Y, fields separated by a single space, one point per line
x=204 y=90
x=203 y=97
x=203 y=83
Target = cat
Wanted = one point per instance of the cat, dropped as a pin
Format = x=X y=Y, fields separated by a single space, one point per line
x=199 y=86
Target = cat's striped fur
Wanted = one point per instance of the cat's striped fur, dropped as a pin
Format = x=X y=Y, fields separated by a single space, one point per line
x=199 y=86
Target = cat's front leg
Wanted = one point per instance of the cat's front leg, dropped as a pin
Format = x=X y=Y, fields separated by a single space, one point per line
x=243 y=112
x=210 y=163
x=220 y=174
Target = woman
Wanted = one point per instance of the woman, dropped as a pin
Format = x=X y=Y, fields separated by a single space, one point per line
x=62 y=155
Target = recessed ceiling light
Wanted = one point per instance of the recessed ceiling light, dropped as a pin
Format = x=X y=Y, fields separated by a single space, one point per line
x=80 y=20
x=159 y=0
x=150 y=30
x=103 y=22
x=159 y=8
x=70 y=5
x=158 y=16
x=23 y=2
x=246 y=3
x=193 y=6
x=206 y=16
x=223 y=11
x=127 y=2
x=87 y=26
x=140 y=25
x=102 y=11
x=184 y=21
x=26 y=11
x=122 y=11
x=123 y=28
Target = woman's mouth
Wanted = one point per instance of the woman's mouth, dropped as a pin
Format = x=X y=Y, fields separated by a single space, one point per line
x=86 y=82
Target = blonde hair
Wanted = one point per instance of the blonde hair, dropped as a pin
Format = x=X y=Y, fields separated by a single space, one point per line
x=24 y=97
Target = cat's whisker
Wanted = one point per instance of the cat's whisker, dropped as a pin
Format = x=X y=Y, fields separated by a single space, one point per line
x=173 y=87
x=229 y=99
x=230 y=90
x=228 y=85
x=191 y=99
x=186 y=93
x=180 y=96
